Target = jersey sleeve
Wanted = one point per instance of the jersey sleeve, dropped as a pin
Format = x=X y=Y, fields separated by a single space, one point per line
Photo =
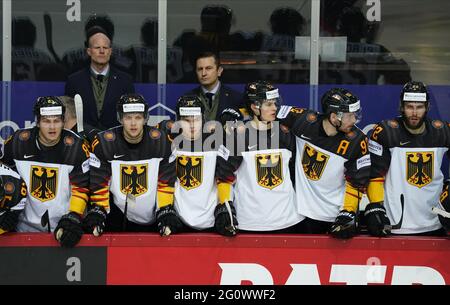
x=357 y=173
x=226 y=165
x=289 y=115
x=166 y=175
x=380 y=159
x=7 y=153
x=100 y=175
x=15 y=193
x=79 y=180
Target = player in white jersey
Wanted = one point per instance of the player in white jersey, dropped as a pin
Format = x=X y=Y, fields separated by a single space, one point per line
x=332 y=163
x=13 y=194
x=196 y=198
x=407 y=154
x=258 y=170
x=130 y=162
x=54 y=164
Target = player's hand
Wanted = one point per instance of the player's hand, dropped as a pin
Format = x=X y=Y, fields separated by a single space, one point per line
x=376 y=219
x=69 y=230
x=168 y=221
x=9 y=219
x=344 y=226
x=94 y=222
x=225 y=219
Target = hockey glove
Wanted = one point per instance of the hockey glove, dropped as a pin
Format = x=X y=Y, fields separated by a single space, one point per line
x=376 y=219
x=94 y=222
x=168 y=221
x=69 y=230
x=344 y=226
x=230 y=115
x=225 y=219
x=9 y=219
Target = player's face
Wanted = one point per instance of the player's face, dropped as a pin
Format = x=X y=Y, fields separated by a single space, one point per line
x=99 y=49
x=50 y=128
x=208 y=72
x=268 y=110
x=191 y=126
x=133 y=124
x=414 y=114
x=348 y=120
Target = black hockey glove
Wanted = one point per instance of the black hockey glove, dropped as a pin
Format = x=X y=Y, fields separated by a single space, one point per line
x=225 y=219
x=344 y=226
x=230 y=115
x=94 y=222
x=168 y=221
x=69 y=230
x=376 y=219
x=9 y=219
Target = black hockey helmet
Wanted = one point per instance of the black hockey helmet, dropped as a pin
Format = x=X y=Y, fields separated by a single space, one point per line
x=414 y=92
x=259 y=91
x=131 y=102
x=189 y=105
x=340 y=100
x=48 y=105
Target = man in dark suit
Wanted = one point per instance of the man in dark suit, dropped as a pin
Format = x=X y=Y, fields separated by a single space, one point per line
x=100 y=85
x=214 y=95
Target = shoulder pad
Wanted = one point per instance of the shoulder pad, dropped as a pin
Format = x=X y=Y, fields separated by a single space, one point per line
x=154 y=133
x=392 y=123
x=109 y=135
x=438 y=124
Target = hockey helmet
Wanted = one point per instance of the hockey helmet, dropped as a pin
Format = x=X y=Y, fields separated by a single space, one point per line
x=414 y=92
x=48 y=105
x=131 y=103
x=339 y=101
x=189 y=105
x=258 y=92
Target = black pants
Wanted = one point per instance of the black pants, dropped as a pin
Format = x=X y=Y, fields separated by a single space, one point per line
x=289 y=230
x=312 y=226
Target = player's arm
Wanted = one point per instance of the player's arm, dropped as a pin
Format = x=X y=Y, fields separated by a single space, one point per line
x=7 y=153
x=225 y=213
x=69 y=230
x=13 y=202
x=375 y=212
x=289 y=115
x=357 y=172
x=99 y=175
x=167 y=218
x=443 y=210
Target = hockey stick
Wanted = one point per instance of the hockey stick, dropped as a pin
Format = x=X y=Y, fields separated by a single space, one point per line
x=128 y=199
x=399 y=224
x=48 y=36
x=45 y=221
x=79 y=112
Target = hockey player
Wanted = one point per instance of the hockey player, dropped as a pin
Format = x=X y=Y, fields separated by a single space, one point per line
x=54 y=164
x=196 y=198
x=407 y=154
x=13 y=194
x=131 y=162
x=332 y=163
x=257 y=171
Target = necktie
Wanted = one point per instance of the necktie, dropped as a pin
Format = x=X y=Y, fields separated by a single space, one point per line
x=100 y=78
x=209 y=96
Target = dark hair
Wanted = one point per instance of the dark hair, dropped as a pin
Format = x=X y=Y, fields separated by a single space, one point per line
x=209 y=54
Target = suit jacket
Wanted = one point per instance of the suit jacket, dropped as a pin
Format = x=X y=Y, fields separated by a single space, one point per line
x=118 y=83
x=228 y=98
